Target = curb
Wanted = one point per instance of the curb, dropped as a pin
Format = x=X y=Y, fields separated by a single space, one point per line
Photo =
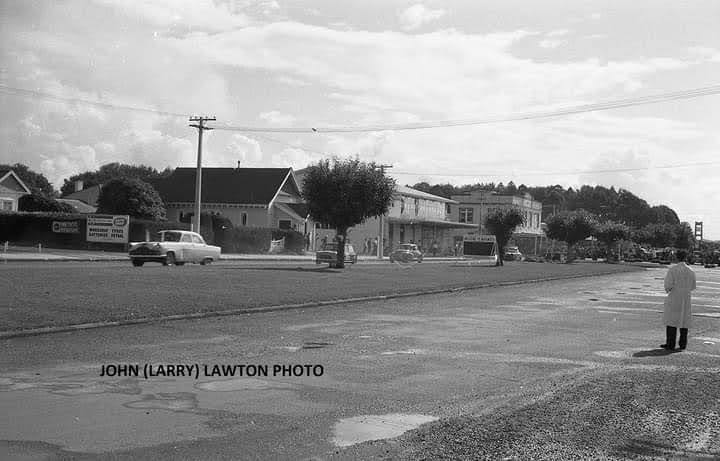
x=283 y=307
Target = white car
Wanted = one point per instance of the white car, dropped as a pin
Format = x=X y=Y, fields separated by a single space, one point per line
x=174 y=247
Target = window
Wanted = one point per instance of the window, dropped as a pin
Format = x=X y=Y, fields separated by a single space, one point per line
x=447 y=208
x=466 y=215
x=417 y=206
x=186 y=238
x=402 y=205
x=243 y=219
x=6 y=205
x=197 y=239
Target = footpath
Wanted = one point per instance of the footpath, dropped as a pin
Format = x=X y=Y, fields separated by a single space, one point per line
x=31 y=254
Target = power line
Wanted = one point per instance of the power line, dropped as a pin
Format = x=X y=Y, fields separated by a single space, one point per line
x=12 y=91
x=615 y=104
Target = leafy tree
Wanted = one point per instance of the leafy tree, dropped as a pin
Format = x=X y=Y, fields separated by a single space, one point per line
x=502 y=223
x=664 y=215
x=113 y=171
x=685 y=237
x=36 y=182
x=611 y=232
x=131 y=196
x=571 y=227
x=41 y=202
x=657 y=235
x=344 y=193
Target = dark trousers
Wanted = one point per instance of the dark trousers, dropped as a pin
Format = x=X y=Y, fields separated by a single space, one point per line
x=671 y=334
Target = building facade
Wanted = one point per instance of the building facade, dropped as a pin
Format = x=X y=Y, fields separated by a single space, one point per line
x=11 y=189
x=413 y=217
x=260 y=197
x=475 y=206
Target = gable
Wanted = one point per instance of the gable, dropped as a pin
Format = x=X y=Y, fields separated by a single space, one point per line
x=11 y=182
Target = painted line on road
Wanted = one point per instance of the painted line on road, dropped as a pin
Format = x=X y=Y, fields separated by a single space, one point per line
x=283 y=307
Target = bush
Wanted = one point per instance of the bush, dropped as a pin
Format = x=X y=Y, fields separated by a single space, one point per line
x=294 y=240
x=36 y=202
x=246 y=240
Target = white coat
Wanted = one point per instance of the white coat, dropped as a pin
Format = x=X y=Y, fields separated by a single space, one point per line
x=679 y=282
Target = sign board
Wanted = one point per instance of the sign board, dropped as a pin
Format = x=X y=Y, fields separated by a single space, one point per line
x=108 y=228
x=480 y=247
x=66 y=227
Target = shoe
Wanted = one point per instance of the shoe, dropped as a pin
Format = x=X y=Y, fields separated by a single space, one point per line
x=666 y=347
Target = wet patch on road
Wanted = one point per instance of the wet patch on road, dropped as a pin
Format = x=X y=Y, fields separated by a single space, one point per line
x=360 y=429
x=242 y=384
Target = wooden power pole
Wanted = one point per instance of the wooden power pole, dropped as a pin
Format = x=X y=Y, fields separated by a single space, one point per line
x=200 y=125
x=381 y=230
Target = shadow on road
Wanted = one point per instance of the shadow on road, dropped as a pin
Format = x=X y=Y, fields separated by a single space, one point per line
x=654 y=353
x=324 y=269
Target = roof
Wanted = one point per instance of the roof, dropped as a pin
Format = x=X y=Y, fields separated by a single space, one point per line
x=79 y=205
x=224 y=185
x=88 y=195
x=409 y=191
x=17 y=183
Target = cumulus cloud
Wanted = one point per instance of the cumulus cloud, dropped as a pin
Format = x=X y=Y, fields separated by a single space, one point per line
x=245 y=150
x=418 y=15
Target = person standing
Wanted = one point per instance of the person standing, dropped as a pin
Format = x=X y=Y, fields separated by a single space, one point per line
x=679 y=282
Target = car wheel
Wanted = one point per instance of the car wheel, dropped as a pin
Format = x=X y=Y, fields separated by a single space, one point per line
x=137 y=263
x=392 y=260
x=169 y=259
x=206 y=261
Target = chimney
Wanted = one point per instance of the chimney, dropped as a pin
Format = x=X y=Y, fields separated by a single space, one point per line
x=78 y=185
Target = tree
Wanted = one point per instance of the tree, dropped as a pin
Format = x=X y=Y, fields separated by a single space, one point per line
x=658 y=235
x=685 y=237
x=502 y=223
x=113 y=171
x=571 y=227
x=36 y=182
x=40 y=202
x=132 y=197
x=611 y=232
x=344 y=193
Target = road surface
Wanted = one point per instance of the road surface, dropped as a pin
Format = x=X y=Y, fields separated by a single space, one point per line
x=387 y=367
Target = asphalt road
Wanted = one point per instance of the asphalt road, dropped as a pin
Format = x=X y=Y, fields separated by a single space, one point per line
x=564 y=369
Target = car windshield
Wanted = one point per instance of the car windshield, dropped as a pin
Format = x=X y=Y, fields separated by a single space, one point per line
x=170 y=236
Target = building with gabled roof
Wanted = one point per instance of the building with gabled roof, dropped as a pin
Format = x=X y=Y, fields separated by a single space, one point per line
x=11 y=189
x=262 y=197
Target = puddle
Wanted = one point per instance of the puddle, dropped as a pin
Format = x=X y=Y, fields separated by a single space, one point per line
x=359 y=429
x=242 y=384
x=406 y=352
x=315 y=345
x=593 y=299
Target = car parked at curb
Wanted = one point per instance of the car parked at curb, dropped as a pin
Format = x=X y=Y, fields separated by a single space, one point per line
x=174 y=248
x=512 y=253
x=328 y=254
x=406 y=253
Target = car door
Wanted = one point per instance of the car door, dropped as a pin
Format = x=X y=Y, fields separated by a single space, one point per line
x=199 y=249
x=186 y=252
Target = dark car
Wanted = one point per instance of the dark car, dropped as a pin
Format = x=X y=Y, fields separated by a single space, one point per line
x=406 y=252
x=328 y=254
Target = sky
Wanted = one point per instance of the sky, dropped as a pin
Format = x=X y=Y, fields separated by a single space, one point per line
x=330 y=63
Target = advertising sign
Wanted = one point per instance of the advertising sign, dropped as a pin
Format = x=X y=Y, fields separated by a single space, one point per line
x=108 y=228
x=66 y=227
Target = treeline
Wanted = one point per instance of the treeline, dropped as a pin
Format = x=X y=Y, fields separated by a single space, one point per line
x=608 y=204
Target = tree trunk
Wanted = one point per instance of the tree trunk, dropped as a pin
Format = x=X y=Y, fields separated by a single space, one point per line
x=340 y=239
x=501 y=250
x=570 y=253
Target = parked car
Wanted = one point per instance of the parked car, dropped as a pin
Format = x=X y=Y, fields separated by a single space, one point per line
x=406 y=252
x=513 y=254
x=174 y=247
x=328 y=254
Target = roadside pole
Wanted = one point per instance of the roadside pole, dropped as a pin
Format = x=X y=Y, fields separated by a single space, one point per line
x=198 y=175
x=381 y=230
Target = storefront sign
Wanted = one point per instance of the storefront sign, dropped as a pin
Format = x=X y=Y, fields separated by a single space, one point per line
x=66 y=227
x=108 y=228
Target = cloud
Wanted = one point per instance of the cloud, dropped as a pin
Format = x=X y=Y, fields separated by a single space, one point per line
x=275 y=117
x=417 y=16
x=548 y=43
x=244 y=149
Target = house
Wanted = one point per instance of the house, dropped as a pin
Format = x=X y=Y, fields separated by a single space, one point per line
x=473 y=207
x=11 y=189
x=261 y=197
x=87 y=195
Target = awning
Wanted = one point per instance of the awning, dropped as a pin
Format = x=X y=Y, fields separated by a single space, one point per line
x=432 y=222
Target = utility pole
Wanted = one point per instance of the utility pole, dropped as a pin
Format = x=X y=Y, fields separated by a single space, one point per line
x=381 y=231
x=198 y=174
